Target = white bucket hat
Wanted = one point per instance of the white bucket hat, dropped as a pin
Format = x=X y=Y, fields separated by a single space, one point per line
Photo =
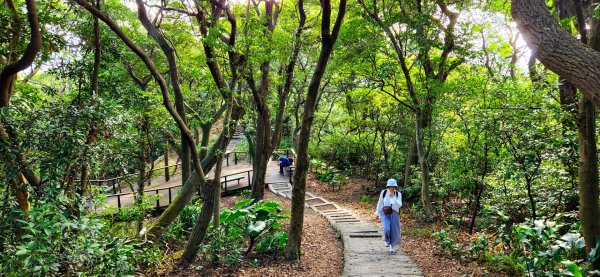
x=392 y=183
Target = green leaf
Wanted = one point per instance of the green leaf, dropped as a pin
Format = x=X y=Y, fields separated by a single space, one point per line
x=242 y=204
x=237 y=214
x=254 y=229
x=573 y=268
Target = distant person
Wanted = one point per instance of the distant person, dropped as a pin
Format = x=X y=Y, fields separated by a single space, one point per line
x=283 y=162
x=388 y=211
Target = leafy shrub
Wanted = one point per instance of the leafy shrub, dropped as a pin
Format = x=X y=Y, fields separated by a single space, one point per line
x=329 y=175
x=136 y=211
x=447 y=242
x=367 y=199
x=184 y=223
x=244 y=225
x=52 y=241
x=272 y=243
x=532 y=248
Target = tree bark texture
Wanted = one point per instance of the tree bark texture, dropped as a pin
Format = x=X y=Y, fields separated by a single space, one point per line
x=589 y=208
x=264 y=133
x=328 y=38
x=411 y=159
x=143 y=160
x=199 y=232
x=10 y=71
x=579 y=64
x=557 y=49
x=219 y=166
x=423 y=163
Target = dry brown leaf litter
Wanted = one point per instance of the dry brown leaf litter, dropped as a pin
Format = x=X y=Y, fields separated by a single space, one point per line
x=323 y=252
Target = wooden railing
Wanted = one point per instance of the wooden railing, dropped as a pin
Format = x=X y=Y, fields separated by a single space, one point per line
x=235 y=157
x=115 y=182
x=226 y=179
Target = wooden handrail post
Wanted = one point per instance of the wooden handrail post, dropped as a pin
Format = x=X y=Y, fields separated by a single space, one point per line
x=119 y=201
x=169 y=196
x=167 y=177
x=157 y=200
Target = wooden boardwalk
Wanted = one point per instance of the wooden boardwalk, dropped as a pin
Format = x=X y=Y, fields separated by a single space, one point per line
x=364 y=250
x=233 y=178
x=236 y=174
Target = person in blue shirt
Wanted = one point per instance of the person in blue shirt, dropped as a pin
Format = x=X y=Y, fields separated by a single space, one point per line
x=283 y=162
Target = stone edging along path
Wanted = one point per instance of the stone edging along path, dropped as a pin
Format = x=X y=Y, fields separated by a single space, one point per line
x=364 y=252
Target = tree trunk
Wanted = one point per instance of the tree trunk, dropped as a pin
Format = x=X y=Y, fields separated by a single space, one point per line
x=167 y=175
x=199 y=232
x=411 y=160
x=423 y=156
x=205 y=139
x=20 y=167
x=143 y=160
x=169 y=53
x=9 y=72
x=480 y=188
x=262 y=155
x=217 y=183
x=92 y=132
x=294 y=242
x=531 y=199
x=557 y=49
x=589 y=209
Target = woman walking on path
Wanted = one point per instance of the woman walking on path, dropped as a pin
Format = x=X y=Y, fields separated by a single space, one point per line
x=388 y=210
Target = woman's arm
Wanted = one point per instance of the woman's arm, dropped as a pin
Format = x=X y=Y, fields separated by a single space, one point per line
x=379 y=205
x=399 y=198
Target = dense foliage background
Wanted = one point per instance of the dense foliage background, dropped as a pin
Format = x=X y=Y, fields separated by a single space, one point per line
x=440 y=95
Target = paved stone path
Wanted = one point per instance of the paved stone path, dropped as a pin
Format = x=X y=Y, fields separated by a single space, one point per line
x=364 y=251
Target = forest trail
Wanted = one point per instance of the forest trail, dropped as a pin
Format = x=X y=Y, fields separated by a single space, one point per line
x=364 y=251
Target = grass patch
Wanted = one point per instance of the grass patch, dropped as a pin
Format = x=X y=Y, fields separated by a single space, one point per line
x=417 y=231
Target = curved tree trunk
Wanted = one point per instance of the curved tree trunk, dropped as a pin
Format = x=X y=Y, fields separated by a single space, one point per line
x=219 y=165
x=411 y=159
x=192 y=182
x=202 y=222
x=423 y=155
x=566 y=56
x=557 y=49
x=169 y=53
x=19 y=166
x=294 y=242
x=92 y=131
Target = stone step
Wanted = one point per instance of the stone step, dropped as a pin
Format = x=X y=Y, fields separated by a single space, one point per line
x=364 y=250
